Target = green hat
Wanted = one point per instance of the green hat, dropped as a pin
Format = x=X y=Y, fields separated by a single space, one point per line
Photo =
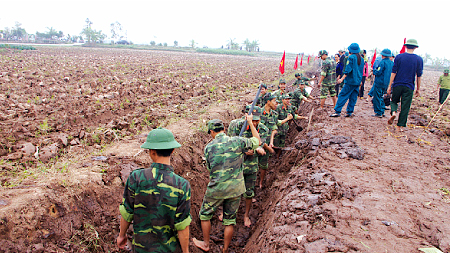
x=214 y=125
x=282 y=80
x=269 y=96
x=264 y=85
x=286 y=96
x=160 y=138
x=322 y=52
x=298 y=74
x=256 y=112
x=446 y=71
x=412 y=42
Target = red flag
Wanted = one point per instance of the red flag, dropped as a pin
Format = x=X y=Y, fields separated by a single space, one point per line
x=309 y=56
x=281 y=67
x=296 y=63
x=301 y=61
x=404 y=47
x=374 y=56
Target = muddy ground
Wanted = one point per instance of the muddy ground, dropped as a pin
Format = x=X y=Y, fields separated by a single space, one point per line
x=347 y=185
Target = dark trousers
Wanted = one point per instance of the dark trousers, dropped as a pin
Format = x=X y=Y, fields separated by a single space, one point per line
x=404 y=95
x=361 y=89
x=443 y=95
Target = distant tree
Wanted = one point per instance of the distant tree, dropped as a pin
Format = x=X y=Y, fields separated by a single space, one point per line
x=232 y=44
x=254 y=45
x=152 y=43
x=427 y=58
x=92 y=35
x=159 y=44
x=247 y=44
x=192 y=43
x=17 y=31
x=165 y=44
x=7 y=33
x=116 y=30
x=175 y=43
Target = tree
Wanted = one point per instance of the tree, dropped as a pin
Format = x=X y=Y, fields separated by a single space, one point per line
x=165 y=44
x=232 y=44
x=116 y=30
x=254 y=45
x=17 y=31
x=193 y=43
x=92 y=35
x=152 y=43
x=247 y=44
x=175 y=43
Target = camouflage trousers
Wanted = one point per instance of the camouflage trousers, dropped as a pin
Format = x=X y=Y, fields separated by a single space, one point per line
x=327 y=89
x=250 y=182
x=263 y=161
x=280 y=140
x=230 y=208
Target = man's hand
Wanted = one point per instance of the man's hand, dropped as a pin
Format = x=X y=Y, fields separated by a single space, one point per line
x=388 y=91
x=290 y=116
x=417 y=93
x=249 y=118
x=122 y=241
x=260 y=151
x=250 y=152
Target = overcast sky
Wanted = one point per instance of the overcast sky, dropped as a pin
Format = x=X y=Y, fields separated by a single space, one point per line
x=294 y=26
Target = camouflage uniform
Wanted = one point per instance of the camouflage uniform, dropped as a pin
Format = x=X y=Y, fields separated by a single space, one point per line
x=302 y=80
x=297 y=96
x=329 y=82
x=283 y=112
x=277 y=94
x=270 y=120
x=158 y=201
x=250 y=162
x=261 y=101
x=224 y=157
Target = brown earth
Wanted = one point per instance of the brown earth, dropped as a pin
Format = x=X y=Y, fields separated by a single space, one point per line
x=104 y=101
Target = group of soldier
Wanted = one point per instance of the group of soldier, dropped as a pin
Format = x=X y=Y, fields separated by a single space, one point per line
x=157 y=200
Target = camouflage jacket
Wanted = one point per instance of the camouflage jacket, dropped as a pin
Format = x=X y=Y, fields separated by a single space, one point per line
x=283 y=112
x=158 y=202
x=270 y=120
x=329 y=72
x=250 y=162
x=297 y=97
x=224 y=158
x=278 y=94
x=302 y=80
x=261 y=101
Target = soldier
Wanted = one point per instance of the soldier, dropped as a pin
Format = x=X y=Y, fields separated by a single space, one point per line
x=299 y=95
x=269 y=118
x=157 y=201
x=250 y=158
x=224 y=157
x=280 y=91
x=382 y=76
x=301 y=79
x=285 y=112
x=327 y=80
x=261 y=100
x=443 y=86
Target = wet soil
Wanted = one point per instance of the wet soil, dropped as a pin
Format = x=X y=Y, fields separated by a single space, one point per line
x=346 y=185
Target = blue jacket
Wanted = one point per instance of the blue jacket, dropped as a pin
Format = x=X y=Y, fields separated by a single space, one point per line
x=383 y=73
x=353 y=71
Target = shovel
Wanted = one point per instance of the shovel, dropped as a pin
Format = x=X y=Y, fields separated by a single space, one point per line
x=299 y=128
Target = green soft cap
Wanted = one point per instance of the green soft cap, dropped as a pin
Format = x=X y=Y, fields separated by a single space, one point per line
x=446 y=71
x=282 y=80
x=286 y=96
x=256 y=112
x=160 y=138
x=322 y=52
x=215 y=125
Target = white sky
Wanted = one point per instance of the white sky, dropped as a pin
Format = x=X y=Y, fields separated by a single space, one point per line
x=294 y=26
